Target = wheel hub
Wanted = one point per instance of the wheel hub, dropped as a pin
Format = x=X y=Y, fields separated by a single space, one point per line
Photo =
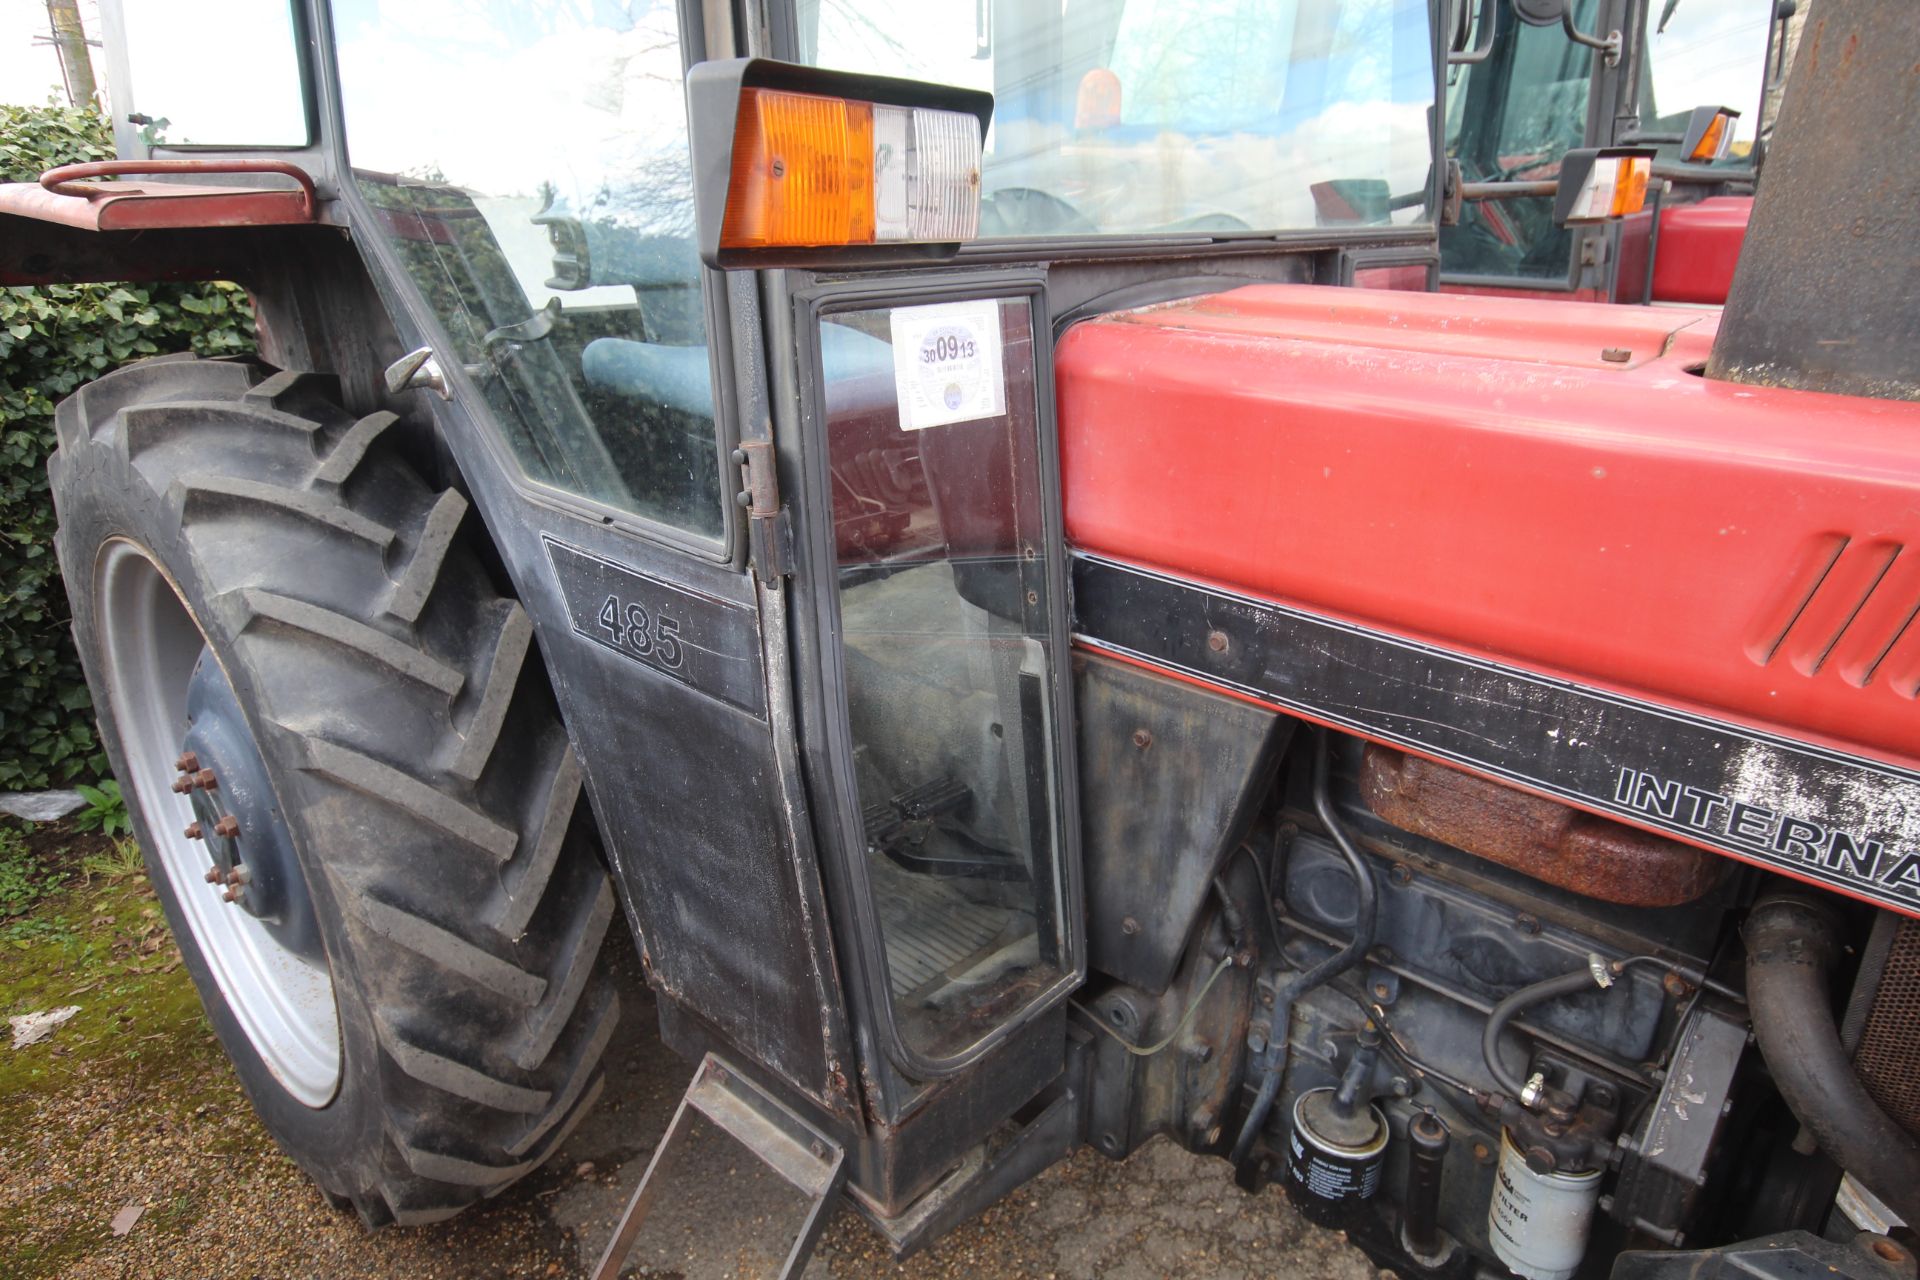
x=225 y=780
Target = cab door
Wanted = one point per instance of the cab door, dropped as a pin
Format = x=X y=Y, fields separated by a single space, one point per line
x=519 y=184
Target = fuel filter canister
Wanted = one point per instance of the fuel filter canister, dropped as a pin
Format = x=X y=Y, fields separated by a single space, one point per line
x=1539 y=1222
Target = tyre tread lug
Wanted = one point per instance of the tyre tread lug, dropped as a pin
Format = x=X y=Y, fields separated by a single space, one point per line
x=417 y=580
x=452 y=952
x=344 y=458
x=450 y=1075
x=503 y=677
x=203 y=492
x=259 y=605
x=409 y=794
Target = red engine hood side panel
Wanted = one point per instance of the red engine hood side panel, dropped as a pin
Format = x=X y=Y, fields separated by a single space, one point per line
x=1698 y=247
x=1475 y=474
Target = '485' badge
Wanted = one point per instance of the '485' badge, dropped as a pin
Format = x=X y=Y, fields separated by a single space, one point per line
x=946 y=363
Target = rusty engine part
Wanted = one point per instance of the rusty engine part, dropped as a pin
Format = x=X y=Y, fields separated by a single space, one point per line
x=1887 y=1058
x=1542 y=838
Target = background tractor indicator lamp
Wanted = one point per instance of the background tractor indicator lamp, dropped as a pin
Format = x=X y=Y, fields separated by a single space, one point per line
x=1709 y=135
x=799 y=166
x=1597 y=184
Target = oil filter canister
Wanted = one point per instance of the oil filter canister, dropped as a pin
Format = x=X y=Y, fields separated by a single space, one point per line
x=1334 y=1155
x=1539 y=1222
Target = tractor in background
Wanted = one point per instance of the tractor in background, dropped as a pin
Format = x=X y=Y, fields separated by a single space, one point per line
x=1696 y=82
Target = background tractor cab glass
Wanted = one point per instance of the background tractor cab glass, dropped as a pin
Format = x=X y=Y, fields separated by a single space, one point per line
x=1537 y=94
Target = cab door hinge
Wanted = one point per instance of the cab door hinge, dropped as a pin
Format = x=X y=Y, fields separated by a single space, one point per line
x=769 y=531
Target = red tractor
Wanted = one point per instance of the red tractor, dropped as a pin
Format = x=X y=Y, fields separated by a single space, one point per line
x=1696 y=86
x=900 y=509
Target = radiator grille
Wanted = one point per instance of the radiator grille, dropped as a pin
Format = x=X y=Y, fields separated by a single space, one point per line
x=1889 y=1054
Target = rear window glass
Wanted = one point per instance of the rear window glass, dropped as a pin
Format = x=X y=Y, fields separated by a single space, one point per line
x=529 y=166
x=257 y=97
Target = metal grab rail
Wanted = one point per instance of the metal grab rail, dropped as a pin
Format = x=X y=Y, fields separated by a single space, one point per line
x=68 y=179
x=1488 y=28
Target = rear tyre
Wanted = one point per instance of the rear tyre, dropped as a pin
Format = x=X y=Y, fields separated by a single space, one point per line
x=392 y=923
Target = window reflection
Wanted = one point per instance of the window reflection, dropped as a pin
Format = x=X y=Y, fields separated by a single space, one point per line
x=528 y=162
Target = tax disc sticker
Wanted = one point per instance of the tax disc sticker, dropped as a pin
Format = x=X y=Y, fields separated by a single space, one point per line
x=946 y=363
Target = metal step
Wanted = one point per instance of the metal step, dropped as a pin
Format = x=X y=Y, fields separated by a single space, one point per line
x=800 y=1155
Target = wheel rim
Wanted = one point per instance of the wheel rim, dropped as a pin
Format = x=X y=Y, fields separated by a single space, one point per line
x=282 y=999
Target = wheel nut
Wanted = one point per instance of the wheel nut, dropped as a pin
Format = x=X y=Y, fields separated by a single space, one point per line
x=193 y=832
x=182 y=785
x=227 y=828
x=187 y=763
x=215 y=875
x=206 y=780
x=233 y=892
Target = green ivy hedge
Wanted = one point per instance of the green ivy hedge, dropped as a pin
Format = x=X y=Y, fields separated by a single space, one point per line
x=54 y=338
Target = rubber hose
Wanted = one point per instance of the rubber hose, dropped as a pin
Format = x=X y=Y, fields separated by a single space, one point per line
x=1791 y=947
x=1366 y=903
x=1257 y=1114
x=1553 y=988
x=1351 y=1094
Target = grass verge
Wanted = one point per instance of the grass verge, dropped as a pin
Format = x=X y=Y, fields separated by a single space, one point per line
x=87 y=1116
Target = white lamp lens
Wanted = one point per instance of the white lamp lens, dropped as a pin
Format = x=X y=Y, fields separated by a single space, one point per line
x=926 y=174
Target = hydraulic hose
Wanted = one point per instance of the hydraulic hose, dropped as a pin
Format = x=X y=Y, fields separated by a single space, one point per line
x=1791 y=946
x=1366 y=902
x=1526 y=997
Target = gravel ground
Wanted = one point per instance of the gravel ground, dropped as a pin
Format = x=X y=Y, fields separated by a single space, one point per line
x=173 y=1135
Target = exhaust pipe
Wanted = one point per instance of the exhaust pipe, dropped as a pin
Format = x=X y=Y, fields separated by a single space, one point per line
x=1824 y=295
x=1791 y=947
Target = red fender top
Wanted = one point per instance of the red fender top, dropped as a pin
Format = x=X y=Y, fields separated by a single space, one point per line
x=1550 y=485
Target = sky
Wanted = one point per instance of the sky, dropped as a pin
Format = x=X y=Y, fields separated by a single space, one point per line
x=30 y=70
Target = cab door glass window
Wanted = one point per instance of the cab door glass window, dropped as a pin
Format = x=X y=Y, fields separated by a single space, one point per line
x=528 y=163
x=933 y=449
